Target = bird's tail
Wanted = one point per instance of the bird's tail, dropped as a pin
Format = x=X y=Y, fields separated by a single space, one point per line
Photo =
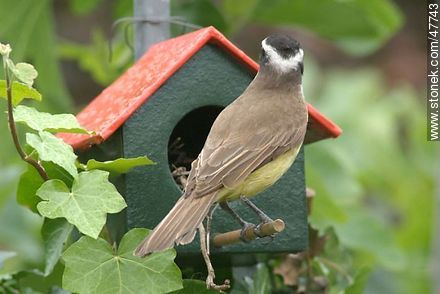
x=179 y=226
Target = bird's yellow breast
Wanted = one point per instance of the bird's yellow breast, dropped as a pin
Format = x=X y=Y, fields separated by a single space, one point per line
x=260 y=179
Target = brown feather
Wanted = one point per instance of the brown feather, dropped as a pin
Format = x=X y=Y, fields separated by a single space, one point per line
x=179 y=226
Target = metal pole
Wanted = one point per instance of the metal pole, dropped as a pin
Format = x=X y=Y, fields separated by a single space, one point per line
x=149 y=33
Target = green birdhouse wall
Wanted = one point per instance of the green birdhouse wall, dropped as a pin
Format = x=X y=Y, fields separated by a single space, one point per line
x=176 y=90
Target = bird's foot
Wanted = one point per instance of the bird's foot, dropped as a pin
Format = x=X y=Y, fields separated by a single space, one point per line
x=263 y=217
x=243 y=234
x=210 y=284
x=258 y=230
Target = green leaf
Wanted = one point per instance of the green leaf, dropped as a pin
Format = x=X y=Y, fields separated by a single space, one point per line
x=30 y=181
x=358 y=26
x=19 y=92
x=360 y=280
x=262 y=283
x=259 y=283
x=9 y=284
x=51 y=148
x=92 y=266
x=55 y=233
x=92 y=196
x=120 y=165
x=24 y=72
x=4 y=255
x=194 y=287
x=43 y=121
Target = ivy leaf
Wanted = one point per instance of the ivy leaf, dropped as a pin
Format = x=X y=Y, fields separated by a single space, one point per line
x=43 y=121
x=24 y=72
x=55 y=233
x=120 y=165
x=30 y=181
x=93 y=266
x=28 y=185
x=194 y=287
x=92 y=196
x=19 y=92
x=51 y=148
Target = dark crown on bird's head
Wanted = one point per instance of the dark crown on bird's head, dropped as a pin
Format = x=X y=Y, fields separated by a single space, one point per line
x=282 y=52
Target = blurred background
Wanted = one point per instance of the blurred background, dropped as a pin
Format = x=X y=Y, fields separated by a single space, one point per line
x=365 y=69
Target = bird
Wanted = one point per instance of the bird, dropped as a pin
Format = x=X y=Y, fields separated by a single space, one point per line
x=251 y=144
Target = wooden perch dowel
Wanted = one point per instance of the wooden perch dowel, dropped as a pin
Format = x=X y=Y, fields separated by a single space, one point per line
x=233 y=237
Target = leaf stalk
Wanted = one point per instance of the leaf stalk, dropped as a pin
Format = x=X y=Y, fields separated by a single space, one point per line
x=13 y=129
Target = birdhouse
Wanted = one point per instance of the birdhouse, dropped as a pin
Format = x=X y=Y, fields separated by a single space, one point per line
x=163 y=107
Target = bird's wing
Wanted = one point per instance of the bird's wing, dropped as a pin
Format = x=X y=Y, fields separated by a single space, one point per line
x=230 y=156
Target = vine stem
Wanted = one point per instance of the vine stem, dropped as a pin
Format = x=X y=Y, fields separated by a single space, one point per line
x=13 y=129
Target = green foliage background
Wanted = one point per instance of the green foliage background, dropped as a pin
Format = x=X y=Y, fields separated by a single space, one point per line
x=375 y=184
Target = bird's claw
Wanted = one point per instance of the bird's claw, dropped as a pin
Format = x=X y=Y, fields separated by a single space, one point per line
x=245 y=227
x=211 y=285
x=257 y=231
x=260 y=235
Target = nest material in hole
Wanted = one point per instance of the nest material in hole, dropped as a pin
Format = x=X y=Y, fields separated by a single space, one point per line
x=179 y=161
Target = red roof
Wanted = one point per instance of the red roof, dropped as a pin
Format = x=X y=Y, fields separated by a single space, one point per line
x=110 y=109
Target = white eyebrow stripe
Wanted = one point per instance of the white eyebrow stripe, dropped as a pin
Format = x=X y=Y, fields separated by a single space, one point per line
x=283 y=65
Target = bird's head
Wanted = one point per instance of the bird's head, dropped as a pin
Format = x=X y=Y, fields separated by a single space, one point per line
x=282 y=54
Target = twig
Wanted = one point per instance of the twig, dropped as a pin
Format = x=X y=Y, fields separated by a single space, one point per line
x=310 y=195
x=266 y=229
x=36 y=164
x=211 y=273
x=176 y=144
x=179 y=171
